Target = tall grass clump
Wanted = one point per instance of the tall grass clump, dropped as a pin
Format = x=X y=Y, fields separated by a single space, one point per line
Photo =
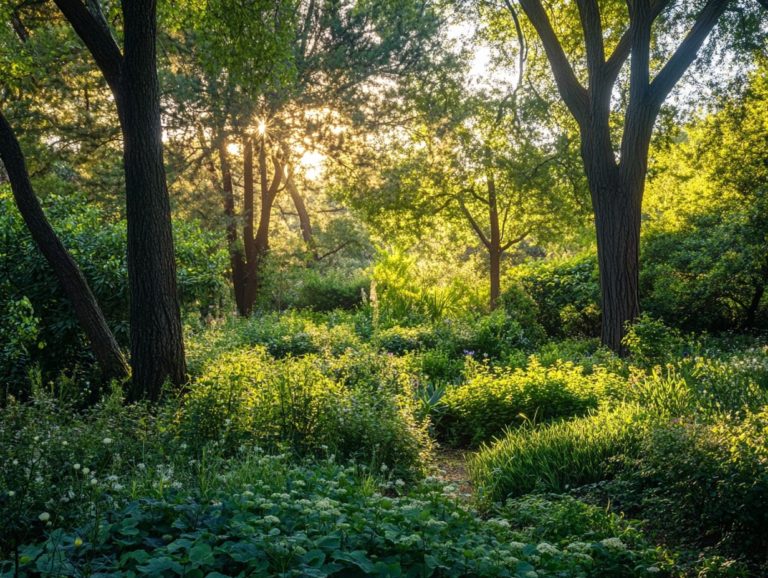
x=554 y=457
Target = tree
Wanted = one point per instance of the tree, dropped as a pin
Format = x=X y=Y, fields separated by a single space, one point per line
x=157 y=347
x=616 y=175
x=89 y=314
x=487 y=160
x=263 y=118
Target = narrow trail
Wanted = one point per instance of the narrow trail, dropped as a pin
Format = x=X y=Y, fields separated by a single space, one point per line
x=453 y=468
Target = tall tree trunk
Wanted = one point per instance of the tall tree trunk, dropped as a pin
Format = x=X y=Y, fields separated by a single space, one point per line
x=617 y=223
x=258 y=249
x=87 y=310
x=494 y=246
x=157 y=346
x=305 y=224
x=236 y=260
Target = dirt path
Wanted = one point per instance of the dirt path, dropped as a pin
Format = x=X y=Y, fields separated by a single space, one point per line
x=453 y=468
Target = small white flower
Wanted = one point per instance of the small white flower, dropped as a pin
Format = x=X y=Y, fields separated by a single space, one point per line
x=653 y=569
x=44 y=517
x=613 y=544
x=106 y=441
x=11 y=493
x=94 y=481
x=86 y=471
x=76 y=466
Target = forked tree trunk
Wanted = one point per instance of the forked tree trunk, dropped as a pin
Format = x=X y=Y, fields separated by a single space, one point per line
x=89 y=315
x=157 y=346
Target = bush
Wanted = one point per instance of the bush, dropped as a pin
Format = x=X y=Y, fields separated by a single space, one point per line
x=554 y=457
x=18 y=340
x=650 y=342
x=269 y=517
x=494 y=399
x=304 y=405
x=330 y=291
x=98 y=245
x=566 y=294
x=281 y=334
x=707 y=484
x=400 y=340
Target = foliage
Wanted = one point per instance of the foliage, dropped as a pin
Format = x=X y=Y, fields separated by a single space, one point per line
x=566 y=293
x=245 y=396
x=554 y=457
x=98 y=244
x=494 y=399
x=18 y=338
x=650 y=342
x=321 y=519
x=705 y=252
x=706 y=483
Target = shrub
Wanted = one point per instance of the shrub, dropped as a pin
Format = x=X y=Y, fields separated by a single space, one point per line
x=18 y=339
x=493 y=399
x=707 y=483
x=400 y=340
x=566 y=293
x=281 y=334
x=498 y=333
x=329 y=291
x=650 y=342
x=307 y=406
x=554 y=457
x=98 y=244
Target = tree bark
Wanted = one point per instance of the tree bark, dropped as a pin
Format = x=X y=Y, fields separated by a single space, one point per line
x=495 y=250
x=89 y=315
x=305 y=224
x=157 y=346
x=236 y=260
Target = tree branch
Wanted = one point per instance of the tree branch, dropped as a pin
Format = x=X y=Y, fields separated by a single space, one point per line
x=97 y=39
x=589 y=14
x=686 y=53
x=573 y=93
x=475 y=227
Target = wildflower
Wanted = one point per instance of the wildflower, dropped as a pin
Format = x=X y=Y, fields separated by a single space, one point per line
x=44 y=517
x=94 y=481
x=547 y=548
x=384 y=467
x=76 y=466
x=78 y=542
x=11 y=493
x=653 y=569
x=106 y=441
x=86 y=471
x=271 y=519
x=613 y=544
